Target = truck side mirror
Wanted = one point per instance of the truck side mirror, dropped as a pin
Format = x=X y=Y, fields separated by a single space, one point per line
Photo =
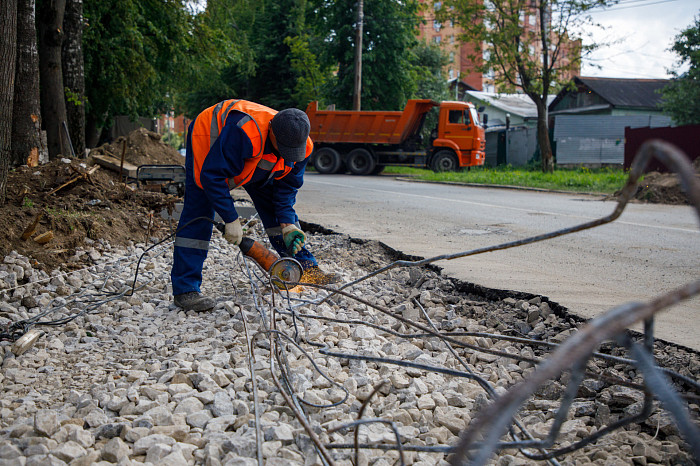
x=481 y=109
x=485 y=118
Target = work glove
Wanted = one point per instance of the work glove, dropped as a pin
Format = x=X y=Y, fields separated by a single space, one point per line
x=233 y=232
x=294 y=239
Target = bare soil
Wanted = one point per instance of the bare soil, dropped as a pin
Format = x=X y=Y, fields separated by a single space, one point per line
x=98 y=206
x=664 y=188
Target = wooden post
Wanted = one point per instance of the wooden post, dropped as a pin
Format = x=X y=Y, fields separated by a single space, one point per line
x=357 y=96
x=121 y=167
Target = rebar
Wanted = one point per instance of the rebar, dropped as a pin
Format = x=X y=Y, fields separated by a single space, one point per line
x=484 y=435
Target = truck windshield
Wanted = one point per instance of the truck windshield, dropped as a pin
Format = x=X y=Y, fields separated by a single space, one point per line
x=475 y=117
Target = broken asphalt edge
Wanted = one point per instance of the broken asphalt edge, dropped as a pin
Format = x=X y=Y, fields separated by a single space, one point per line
x=479 y=290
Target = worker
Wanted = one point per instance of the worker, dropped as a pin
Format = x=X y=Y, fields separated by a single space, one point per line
x=237 y=143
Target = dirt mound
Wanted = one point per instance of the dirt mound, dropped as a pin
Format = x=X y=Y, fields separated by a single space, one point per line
x=94 y=207
x=661 y=188
x=143 y=147
x=664 y=188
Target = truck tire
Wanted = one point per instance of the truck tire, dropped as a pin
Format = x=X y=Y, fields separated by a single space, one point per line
x=360 y=162
x=327 y=161
x=444 y=161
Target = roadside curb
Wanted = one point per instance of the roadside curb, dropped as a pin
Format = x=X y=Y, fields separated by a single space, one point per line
x=500 y=186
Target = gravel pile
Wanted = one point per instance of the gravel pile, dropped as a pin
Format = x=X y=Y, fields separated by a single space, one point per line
x=135 y=381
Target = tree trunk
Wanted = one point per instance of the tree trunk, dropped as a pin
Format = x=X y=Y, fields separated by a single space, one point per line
x=53 y=103
x=543 y=138
x=8 y=52
x=27 y=144
x=74 y=74
x=92 y=132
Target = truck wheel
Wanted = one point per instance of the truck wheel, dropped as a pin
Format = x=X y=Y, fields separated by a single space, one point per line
x=360 y=162
x=327 y=161
x=445 y=161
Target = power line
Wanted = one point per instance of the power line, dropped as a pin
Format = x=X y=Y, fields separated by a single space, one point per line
x=633 y=6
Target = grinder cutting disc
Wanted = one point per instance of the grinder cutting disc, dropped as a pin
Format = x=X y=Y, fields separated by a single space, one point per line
x=286 y=270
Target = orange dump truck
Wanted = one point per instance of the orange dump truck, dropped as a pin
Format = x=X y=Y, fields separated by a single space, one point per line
x=365 y=142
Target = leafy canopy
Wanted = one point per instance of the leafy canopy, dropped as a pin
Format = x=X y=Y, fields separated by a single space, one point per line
x=682 y=96
x=389 y=35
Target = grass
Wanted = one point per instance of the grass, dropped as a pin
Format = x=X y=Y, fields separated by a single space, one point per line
x=602 y=180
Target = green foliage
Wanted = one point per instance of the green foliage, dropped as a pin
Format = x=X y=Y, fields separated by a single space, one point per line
x=27 y=203
x=310 y=75
x=682 y=96
x=389 y=34
x=173 y=139
x=220 y=51
x=134 y=54
x=72 y=97
x=428 y=62
x=274 y=62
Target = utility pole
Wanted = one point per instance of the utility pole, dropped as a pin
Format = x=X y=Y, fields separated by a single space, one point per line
x=358 y=58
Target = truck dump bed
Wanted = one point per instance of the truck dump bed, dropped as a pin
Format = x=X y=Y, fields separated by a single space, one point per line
x=371 y=127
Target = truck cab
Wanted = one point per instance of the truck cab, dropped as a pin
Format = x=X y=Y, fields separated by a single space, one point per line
x=460 y=135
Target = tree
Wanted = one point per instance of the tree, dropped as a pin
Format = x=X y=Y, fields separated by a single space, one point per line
x=389 y=34
x=527 y=45
x=224 y=60
x=74 y=74
x=27 y=144
x=429 y=63
x=682 y=95
x=8 y=50
x=271 y=57
x=53 y=102
x=137 y=54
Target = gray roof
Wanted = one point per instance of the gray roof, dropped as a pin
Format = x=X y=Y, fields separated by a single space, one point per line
x=516 y=104
x=619 y=92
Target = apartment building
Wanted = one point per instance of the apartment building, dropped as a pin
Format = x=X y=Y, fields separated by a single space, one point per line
x=464 y=56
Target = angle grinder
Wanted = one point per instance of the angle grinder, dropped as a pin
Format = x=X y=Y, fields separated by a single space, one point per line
x=284 y=269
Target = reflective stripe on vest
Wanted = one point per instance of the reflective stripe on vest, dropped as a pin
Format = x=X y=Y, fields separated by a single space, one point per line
x=255 y=123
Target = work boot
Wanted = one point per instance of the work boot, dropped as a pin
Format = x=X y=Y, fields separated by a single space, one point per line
x=194 y=301
x=316 y=275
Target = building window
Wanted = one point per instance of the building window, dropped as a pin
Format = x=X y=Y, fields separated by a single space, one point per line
x=452 y=39
x=452 y=57
x=531 y=19
x=451 y=73
x=436 y=39
x=438 y=5
x=436 y=25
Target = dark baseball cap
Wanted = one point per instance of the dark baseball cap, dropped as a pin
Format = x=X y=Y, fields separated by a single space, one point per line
x=291 y=127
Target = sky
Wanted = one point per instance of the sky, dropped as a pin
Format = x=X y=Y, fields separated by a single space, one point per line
x=645 y=29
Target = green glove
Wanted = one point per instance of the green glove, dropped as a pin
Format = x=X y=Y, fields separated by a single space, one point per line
x=294 y=239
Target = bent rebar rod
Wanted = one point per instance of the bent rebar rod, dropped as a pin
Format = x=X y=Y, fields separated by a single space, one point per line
x=496 y=417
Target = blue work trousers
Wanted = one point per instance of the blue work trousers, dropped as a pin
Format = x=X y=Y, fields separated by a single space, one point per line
x=192 y=238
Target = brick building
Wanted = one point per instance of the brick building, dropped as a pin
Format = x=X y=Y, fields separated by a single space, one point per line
x=463 y=70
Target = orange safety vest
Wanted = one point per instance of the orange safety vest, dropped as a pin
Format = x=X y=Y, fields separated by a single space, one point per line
x=256 y=123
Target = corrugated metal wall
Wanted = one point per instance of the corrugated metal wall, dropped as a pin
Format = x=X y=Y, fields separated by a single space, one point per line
x=596 y=139
x=516 y=146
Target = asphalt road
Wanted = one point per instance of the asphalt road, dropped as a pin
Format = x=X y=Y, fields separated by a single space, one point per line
x=649 y=250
